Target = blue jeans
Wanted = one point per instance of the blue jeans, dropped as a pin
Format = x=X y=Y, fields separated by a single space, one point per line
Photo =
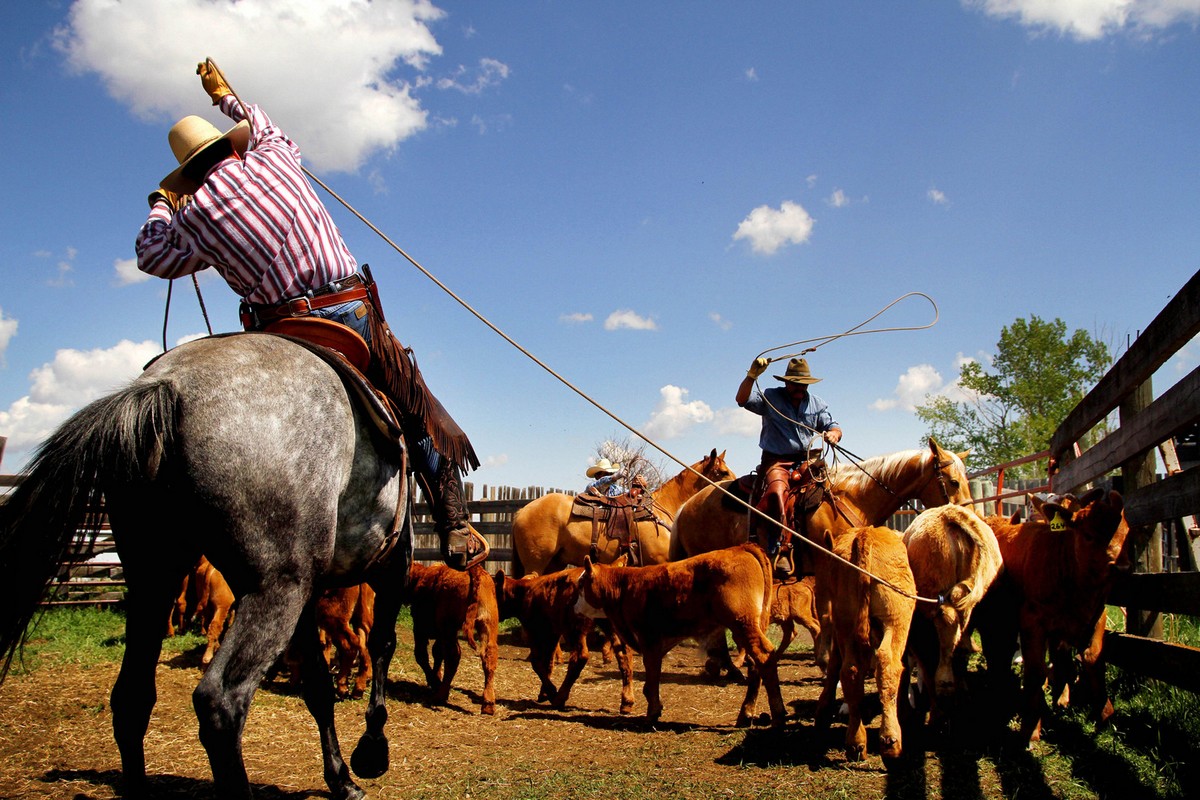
x=348 y=315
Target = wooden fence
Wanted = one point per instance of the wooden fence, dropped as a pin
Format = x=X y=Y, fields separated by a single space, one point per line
x=93 y=574
x=1145 y=424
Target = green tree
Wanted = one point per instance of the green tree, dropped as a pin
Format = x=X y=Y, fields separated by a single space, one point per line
x=1037 y=376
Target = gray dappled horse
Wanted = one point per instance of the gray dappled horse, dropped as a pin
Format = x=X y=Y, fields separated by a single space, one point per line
x=245 y=448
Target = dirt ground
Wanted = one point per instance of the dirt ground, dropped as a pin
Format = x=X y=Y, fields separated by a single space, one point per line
x=56 y=741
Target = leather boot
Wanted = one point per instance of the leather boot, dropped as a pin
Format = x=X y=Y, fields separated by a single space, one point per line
x=462 y=546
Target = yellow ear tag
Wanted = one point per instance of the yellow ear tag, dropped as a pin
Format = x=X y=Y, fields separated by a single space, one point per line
x=1058 y=523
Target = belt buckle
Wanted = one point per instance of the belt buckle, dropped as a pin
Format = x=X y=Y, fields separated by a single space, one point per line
x=293 y=307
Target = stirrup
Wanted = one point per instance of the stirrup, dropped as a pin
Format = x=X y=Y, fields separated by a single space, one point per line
x=784 y=565
x=463 y=548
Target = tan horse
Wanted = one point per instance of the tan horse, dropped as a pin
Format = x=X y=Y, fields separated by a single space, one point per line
x=862 y=495
x=547 y=537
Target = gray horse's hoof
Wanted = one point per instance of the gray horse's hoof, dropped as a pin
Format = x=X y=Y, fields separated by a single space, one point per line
x=370 y=757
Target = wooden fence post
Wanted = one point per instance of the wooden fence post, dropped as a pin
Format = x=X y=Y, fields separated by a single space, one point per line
x=1138 y=473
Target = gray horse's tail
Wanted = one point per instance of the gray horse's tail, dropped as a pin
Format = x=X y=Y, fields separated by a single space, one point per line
x=121 y=439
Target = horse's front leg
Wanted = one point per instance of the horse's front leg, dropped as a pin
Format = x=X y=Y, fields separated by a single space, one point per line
x=317 y=690
x=370 y=757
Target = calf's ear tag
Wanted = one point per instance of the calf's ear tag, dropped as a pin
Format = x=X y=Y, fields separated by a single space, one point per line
x=1058 y=523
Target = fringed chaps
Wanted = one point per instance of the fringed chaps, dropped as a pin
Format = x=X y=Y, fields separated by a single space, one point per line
x=394 y=369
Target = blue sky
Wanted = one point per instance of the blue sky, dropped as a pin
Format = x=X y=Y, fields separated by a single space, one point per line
x=643 y=195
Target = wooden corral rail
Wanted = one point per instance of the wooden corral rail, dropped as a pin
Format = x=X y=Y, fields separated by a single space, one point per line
x=86 y=580
x=996 y=501
x=1144 y=426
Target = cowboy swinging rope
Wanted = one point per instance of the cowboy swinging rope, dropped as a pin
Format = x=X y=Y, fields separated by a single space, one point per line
x=671 y=456
x=853 y=458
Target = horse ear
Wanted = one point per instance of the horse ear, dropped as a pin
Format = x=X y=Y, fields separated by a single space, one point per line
x=963 y=455
x=623 y=561
x=713 y=455
x=723 y=452
x=934 y=447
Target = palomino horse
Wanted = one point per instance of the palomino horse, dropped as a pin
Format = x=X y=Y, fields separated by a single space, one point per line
x=858 y=496
x=246 y=448
x=546 y=537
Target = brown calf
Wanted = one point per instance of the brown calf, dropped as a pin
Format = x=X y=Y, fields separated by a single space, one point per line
x=1057 y=575
x=654 y=608
x=446 y=602
x=214 y=604
x=870 y=624
x=344 y=619
x=545 y=605
x=794 y=602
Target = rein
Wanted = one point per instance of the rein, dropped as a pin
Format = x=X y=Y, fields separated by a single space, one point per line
x=596 y=404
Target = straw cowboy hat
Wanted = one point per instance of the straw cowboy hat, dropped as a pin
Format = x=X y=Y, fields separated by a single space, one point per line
x=797 y=372
x=603 y=467
x=189 y=138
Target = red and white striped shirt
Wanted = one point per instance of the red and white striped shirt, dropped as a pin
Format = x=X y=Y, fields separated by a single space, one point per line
x=257 y=221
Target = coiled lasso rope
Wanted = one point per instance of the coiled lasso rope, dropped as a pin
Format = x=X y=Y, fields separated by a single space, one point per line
x=495 y=329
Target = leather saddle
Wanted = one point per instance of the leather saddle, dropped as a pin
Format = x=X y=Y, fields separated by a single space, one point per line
x=617 y=518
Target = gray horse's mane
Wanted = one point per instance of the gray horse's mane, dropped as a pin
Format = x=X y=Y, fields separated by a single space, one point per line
x=856 y=478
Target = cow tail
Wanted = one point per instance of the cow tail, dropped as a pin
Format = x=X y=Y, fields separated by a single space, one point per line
x=768 y=574
x=517 y=569
x=472 y=604
x=116 y=440
x=860 y=554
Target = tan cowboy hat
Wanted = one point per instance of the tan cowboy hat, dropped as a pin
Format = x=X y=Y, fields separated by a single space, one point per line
x=191 y=136
x=603 y=467
x=797 y=372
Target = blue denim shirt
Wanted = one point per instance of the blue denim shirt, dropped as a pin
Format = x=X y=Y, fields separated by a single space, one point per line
x=780 y=435
x=608 y=486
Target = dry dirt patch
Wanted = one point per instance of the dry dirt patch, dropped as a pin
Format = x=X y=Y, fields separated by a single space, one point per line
x=56 y=740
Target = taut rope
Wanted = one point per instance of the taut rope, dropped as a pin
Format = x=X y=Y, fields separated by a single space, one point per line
x=475 y=313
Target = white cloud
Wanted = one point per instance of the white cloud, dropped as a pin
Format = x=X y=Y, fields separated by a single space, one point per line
x=674 y=415
x=1088 y=20
x=490 y=72
x=62 y=386
x=920 y=382
x=937 y=196
x=128 y=273
x=737 y=421
x=62 y=269
x=325 y=70
x=751 y=74
x=911 y=389
x=8 y=329
x=720 y=321
x=838 y=199
x=769 y=229
x=627 y=318
x=576 y=318
x=496 y=461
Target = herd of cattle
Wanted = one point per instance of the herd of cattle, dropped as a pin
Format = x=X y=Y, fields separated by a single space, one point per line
x=896 y=606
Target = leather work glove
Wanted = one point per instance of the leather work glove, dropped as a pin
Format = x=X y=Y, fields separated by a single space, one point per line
x=758 y=367
x=212 y=81
x=175 y=201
